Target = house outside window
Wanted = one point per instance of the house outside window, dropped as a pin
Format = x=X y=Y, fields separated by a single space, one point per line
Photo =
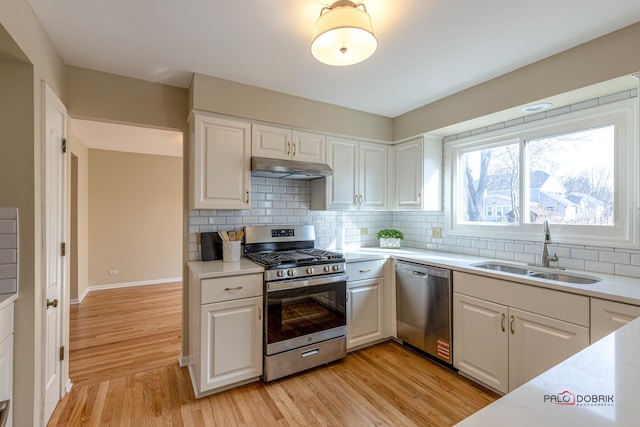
x=578 y=171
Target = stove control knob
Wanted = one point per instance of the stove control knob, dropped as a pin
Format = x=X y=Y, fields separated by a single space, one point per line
x=280 y=273
x=327 y=268
x=290 y=273
x=335 y=267
x=310 y=270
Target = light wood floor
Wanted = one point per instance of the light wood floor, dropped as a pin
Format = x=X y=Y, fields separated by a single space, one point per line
x=385 y=384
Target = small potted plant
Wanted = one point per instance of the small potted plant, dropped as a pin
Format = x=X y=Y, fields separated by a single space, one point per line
x=390 y=238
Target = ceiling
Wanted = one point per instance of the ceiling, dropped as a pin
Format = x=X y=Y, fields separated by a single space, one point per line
x=130 y=139
x=427 y=49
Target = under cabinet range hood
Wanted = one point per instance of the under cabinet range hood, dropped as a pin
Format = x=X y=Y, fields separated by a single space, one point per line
x=288 y=169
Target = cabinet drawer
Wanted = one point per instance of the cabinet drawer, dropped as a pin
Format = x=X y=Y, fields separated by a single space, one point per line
x=230 y=288
x=6 y=321
x=365 y=270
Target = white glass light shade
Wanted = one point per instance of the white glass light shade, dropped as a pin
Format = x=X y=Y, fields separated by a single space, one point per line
x=343 y=36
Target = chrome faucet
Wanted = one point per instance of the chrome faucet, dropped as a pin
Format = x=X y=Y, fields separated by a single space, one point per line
x=545 y=241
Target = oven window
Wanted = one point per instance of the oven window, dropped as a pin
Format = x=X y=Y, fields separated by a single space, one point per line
x=293 y=313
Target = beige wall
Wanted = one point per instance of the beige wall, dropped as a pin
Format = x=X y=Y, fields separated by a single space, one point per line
x=135 y=211
x=235 y=99
x=605 y=58
x=22 y=38
x=111 y=98
x=80 y=253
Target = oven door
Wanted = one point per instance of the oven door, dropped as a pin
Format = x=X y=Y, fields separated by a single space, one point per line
x=302 y=312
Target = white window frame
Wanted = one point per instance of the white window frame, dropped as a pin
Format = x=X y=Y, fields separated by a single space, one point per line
x=623 y=114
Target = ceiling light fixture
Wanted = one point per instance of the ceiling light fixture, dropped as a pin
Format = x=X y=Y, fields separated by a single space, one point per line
x=537 y=107
x=343 y=34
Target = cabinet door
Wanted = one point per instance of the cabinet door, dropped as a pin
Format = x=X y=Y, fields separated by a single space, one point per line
x=272 y=142
x=373 y=176
x=221 y=159
x=308 y=147
x=481 y=341
x=607 y=316
x=364 y=312
x=342 y=156
x=537 y=343
x=6 y=374
x=409 y=167
x=232 y=342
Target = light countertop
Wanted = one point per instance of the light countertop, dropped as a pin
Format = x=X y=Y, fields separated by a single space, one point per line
x=615 y=288
x=596 y=387
x=212 y=269
x=6 y=299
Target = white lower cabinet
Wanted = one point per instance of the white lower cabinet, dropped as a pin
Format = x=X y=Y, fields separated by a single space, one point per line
x=607 y=316
x=365 y=303
x=233 y=333
x=537 y=343
x=503 y=346
x=364 y=312
x=480 y=345
x=6 y=358
x=225 y=329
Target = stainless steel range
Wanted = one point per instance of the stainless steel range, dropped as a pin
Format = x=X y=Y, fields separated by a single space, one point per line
x=305 y=323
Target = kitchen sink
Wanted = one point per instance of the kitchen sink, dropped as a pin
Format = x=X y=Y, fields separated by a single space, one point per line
x=506 y=268
x=564 y=277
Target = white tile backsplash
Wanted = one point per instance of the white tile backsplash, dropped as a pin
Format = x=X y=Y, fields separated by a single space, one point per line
x=8 y=250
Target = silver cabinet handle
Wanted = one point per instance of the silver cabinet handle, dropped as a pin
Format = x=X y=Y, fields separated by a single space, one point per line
x=502 y=321
x=233 y=289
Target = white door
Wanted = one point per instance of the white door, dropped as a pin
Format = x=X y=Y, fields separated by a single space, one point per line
x=364 y=312
x=342 y=156
x=54 y=213
x=537 y=343
x=231 y=337
x=373 y=176
x=481 y=340
x=409 y=169
x=308 y=147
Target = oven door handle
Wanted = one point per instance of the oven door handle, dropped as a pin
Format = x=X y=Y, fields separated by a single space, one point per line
x=303 y=283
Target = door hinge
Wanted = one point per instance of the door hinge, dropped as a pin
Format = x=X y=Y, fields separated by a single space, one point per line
x=62 y=353
x=63 y=249
x=64 y=145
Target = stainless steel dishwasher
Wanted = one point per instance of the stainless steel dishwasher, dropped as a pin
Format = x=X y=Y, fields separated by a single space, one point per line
x=423 y=303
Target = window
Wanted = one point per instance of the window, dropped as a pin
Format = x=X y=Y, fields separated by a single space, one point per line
x=578 y=171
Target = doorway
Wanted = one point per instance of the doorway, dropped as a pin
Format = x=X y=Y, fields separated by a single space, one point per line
x=126 y=204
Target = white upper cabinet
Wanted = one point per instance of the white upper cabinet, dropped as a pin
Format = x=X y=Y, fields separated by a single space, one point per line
x=359 y=178
x=418 y=174
x=220 y=163
x=281 y=143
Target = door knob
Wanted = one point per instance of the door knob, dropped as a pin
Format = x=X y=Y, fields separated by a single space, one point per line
x=53 y=303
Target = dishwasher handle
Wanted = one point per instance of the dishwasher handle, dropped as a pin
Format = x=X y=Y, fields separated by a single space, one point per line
x=422 y=270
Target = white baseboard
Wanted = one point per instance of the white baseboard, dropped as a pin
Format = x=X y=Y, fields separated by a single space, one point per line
x=80 y=297
x=68 y=385
x=131 y=284
x=122 y=285
x=183 y=360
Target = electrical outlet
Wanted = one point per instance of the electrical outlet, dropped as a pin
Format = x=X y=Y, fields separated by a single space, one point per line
x=364 y=231
x=114 y=272
x=436 y=232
